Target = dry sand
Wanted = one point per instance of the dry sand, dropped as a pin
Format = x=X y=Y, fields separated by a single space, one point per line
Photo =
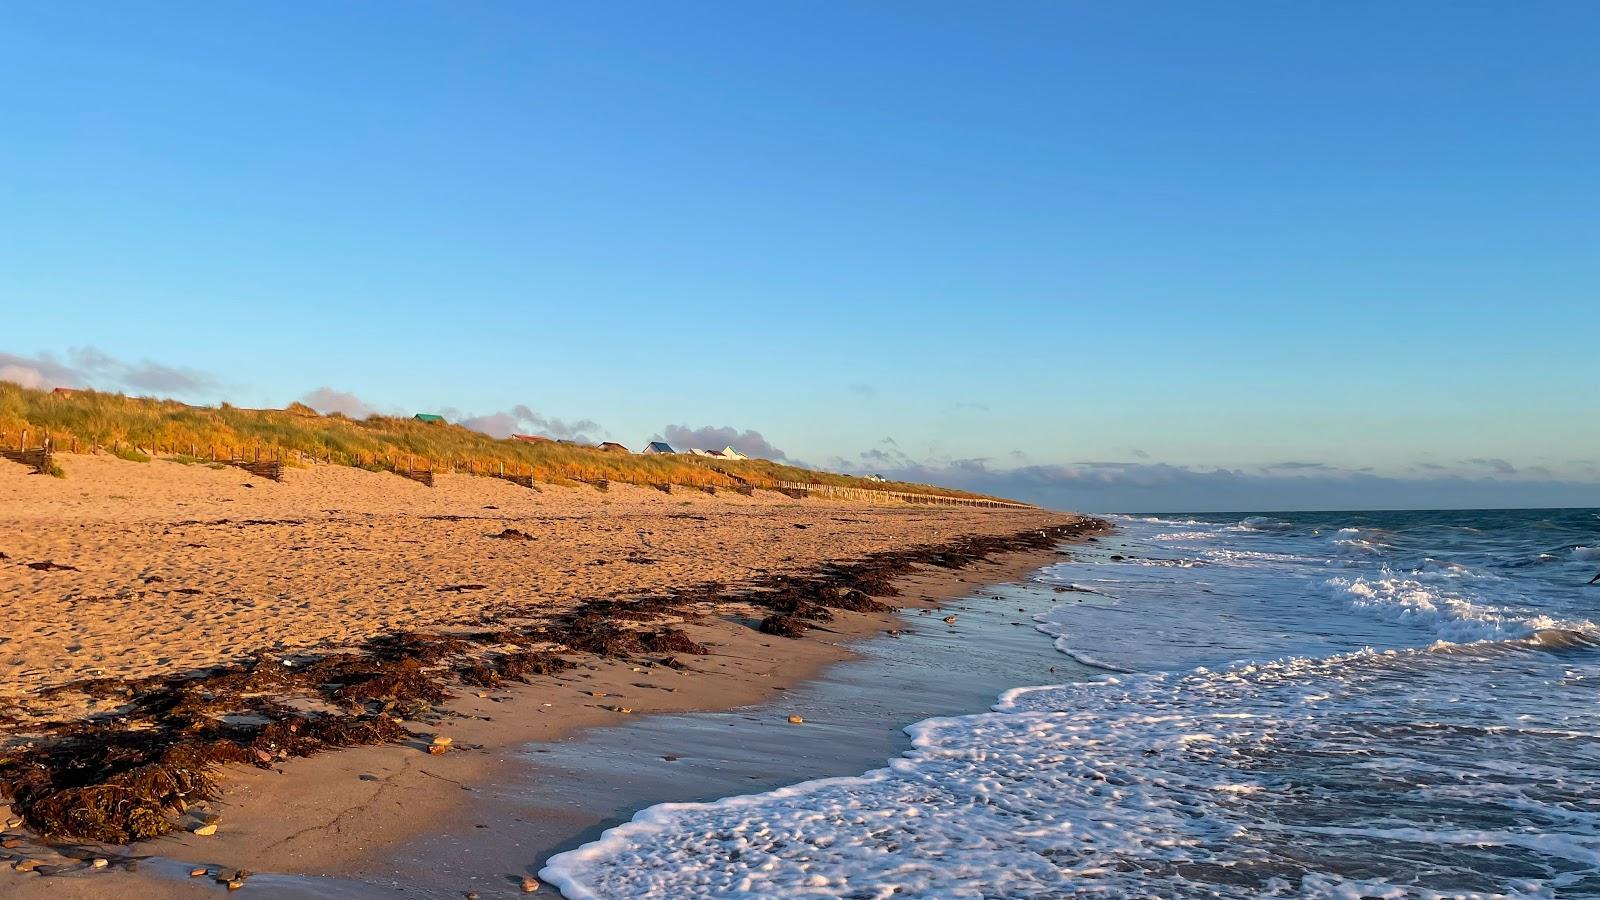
x=181 y=567
x=175 y=568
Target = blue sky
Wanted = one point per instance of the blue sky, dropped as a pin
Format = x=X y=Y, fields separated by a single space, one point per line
x=1041 y=247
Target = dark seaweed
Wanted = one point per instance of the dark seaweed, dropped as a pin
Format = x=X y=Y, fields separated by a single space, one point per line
x=126 y=775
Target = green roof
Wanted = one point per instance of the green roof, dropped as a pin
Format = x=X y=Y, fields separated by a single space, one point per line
x=430 y=418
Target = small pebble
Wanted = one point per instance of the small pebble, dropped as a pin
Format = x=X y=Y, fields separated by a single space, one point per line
x=529 y=885
x=795 y=720
x=368 y=776
x=950 y=620
x=206 y=830
x=99 y=862
x=437 y=750
x=197 y=871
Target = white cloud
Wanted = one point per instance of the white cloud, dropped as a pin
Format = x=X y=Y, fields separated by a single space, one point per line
x=92 y=368
x=710 y=437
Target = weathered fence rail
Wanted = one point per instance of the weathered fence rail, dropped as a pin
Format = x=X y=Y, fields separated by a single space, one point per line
x=38 y=458
x=271 y=469
x=523 y=480
x=420 y=476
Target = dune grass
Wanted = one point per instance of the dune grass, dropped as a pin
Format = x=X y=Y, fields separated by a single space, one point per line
x=137 y=429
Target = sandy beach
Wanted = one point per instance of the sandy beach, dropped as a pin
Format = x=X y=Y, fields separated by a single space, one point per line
x=129 y=571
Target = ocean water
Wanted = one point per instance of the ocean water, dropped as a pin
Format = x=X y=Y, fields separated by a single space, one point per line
x=1387 y=704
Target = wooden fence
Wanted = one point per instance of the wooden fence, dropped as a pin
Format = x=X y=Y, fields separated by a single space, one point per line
x=798 y=489
x=420 y=476
x=271 y=469
x=37 y=458
x=523 y=480
x=40 y=459
x=517 y=478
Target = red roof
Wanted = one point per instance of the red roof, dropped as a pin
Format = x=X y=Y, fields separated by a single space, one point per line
x=531 y=438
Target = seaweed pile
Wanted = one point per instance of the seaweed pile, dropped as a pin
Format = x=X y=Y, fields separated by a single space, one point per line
x=128 y=774
x=121 y=777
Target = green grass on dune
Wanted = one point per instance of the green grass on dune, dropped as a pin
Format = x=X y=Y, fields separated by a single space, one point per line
x=136 y=427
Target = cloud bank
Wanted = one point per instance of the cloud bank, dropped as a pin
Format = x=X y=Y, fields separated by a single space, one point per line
x=1162 y=487
x=88 y=367
x=520 y=419
x=326 y=400
x=748 y=442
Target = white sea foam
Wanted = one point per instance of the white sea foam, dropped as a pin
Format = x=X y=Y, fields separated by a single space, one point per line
x=1260 y=523
x=1063 y=643
x=1459 y=762
x=1165 y=563
x=1586 y=552
x=1185 y=536
x=1360 y=545
x=1143 y=785
x=1155 y=520
x=1245 y=557
x=1447 y=617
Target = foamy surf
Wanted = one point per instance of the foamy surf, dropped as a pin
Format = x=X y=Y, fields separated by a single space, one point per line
x=1296 y=729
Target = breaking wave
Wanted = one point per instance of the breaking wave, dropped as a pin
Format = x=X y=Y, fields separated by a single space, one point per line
x=1301 y=725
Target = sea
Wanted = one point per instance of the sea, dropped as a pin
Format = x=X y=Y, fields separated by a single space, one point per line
x=1332 y=704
